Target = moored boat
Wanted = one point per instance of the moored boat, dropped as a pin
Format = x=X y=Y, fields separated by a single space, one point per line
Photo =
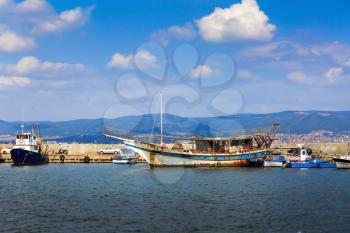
x=124 y=160
x=307 y=161
x=124 y=156
x=203 y=154
x=275 y=161
x=343 y=161
x=169 y=150
x=27 y=150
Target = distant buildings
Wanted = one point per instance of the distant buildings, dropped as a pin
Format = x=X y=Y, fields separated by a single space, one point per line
x=320 y=136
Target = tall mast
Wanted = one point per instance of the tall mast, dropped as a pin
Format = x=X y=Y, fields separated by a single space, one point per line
x=161 y=118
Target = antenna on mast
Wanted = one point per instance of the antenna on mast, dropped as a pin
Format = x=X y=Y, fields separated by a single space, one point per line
x=161 y=118
x=22 y=125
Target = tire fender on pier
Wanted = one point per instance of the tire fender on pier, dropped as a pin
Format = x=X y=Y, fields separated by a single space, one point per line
x=86 y=159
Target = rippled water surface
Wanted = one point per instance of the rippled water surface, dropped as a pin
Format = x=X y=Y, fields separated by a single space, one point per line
x=117 y=198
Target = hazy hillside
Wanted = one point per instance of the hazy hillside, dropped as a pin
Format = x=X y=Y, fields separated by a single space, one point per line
x=90 y=130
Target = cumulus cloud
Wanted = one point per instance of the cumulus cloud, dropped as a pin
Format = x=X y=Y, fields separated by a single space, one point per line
x=201 y=71
x=8 y=81
x=12 y=42
x=121 y=61
x=30 y=64
x=33 y=6
x=241 y=21
x=333 y=73
x=66 y=20
x=185 y=32
x=143 y=58
x=299 y=77
x=22 y=21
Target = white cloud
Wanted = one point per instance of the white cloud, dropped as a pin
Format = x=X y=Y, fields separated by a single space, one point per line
x=299 y=77
x=11 y=42
x=66 y=20
x=8 y=81
x=275 y=50
x=33 y=6
x=5 y=3
x=121 y=61
x=333 y=73
x=295 y=56
x=347 y=63
x=241 y=21
x=31 y=64
x=246 y=74
x=338 y=52
x=185 y=32
x=40 y=16
x=143 y=58
x=202 y=71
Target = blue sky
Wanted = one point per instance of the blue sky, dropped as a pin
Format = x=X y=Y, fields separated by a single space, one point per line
x=62 y=60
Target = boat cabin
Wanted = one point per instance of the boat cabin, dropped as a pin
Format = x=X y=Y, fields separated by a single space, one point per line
x=227 y=145
x=26 y=141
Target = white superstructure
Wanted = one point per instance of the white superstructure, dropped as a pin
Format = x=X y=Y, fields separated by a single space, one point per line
x=26 y=141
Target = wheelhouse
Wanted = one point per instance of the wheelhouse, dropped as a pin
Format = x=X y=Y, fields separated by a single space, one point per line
x=27 y=141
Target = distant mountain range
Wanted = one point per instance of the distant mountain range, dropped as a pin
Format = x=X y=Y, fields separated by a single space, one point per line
x=90 y=130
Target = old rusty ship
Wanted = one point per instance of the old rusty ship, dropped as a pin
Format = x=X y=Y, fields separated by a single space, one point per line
x=194 y=151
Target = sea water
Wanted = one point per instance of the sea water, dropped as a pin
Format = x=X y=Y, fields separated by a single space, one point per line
x=122 y=198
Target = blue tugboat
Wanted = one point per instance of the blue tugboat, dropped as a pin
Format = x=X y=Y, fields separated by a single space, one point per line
x=27 y=150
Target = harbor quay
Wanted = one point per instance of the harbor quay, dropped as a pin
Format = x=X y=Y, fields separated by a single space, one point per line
x=71 y=153
x=89 y=153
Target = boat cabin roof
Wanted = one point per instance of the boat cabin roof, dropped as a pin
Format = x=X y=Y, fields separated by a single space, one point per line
x=28 y=133
x=25 y=135
x=233 y=138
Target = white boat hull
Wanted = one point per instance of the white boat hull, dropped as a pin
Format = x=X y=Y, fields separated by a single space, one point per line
x=342 y=163
x=273 y=164
x=124 y=161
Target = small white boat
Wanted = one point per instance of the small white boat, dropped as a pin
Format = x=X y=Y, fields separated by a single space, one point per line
x=343 y=161
x=125 y=156
x=275 y=161
x=124 y=160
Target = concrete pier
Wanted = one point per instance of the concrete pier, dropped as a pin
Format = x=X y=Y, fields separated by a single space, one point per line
x=81 y=153
x=77 y=153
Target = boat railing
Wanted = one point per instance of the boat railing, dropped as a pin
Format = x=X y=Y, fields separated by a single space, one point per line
x=185 y=136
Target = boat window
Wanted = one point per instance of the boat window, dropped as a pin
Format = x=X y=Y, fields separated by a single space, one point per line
x=303 y=152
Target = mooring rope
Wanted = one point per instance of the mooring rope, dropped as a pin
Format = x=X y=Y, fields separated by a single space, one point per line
x=24 y=158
